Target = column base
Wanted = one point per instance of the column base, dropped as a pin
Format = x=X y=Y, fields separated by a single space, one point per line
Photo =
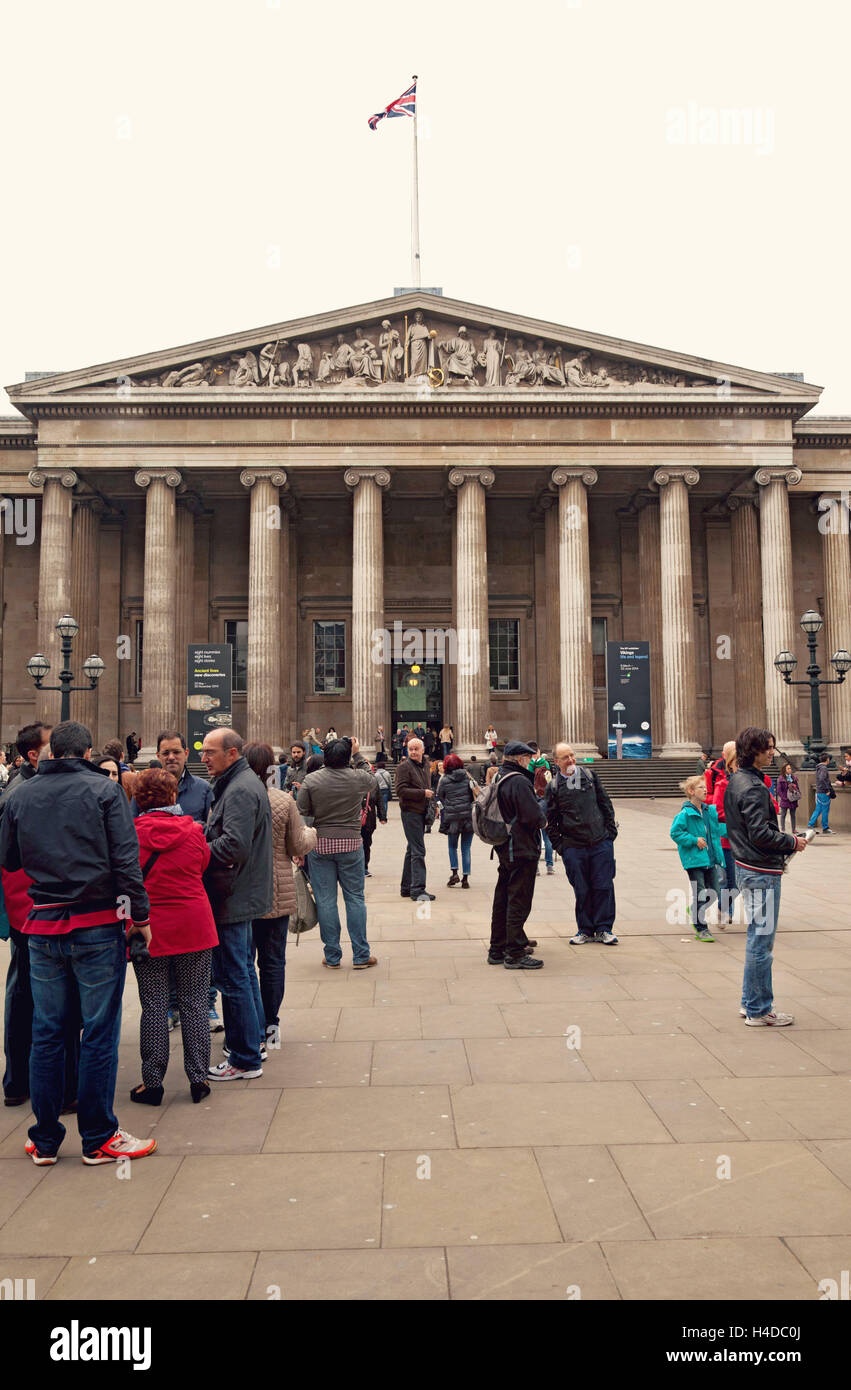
x=143 y=757
x=584 y=750
x=793 y=747
x=465 y=752
x=680 y=750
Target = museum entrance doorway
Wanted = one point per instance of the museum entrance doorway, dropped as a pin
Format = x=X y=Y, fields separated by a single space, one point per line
x=417 y=696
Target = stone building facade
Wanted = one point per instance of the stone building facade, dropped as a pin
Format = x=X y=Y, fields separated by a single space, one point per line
x=515 y=491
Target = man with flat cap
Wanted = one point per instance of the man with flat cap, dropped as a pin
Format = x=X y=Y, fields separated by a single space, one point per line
x=518 y=861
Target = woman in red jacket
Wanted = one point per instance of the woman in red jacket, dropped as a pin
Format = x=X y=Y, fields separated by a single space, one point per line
x=174 y=854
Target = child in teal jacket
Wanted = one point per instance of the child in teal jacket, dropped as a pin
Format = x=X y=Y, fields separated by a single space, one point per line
x=697 y=834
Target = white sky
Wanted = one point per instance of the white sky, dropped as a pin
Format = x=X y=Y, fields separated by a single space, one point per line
x=157 y=154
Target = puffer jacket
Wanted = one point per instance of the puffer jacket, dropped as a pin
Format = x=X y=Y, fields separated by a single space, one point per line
x=688 y=827
x=290 y=836
x=455 y=794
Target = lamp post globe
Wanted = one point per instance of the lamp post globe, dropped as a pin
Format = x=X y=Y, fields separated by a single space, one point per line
x=38 y=667
x=841 y=662
x=812 y=622
x=67 y=627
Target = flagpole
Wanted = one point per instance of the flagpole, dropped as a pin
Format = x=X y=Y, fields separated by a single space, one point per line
x=415 y=252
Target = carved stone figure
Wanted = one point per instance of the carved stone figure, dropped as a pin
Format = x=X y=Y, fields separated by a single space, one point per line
x=303 y=369
x=245 y=371
x=341 y=359
x=522 y=366
x=392 y=351
x=326 y=366
x=579 y=374
x=548 y=371
x=418 y=346
x=490 y=358
x=365 y=361
x=461 y=359
x=274 y=372
x=198 y=374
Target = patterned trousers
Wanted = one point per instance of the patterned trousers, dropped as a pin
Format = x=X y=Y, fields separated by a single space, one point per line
x=192 y=976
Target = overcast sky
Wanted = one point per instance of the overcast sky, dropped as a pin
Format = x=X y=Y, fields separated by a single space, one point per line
x=187 y=168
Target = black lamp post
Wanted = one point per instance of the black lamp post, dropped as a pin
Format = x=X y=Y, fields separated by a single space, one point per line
x=786 y=662
x=38 y=667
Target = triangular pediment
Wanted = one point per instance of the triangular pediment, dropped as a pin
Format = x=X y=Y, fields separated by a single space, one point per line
x=417 y=341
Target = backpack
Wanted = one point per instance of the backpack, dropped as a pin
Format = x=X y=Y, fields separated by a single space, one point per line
x=488 y=821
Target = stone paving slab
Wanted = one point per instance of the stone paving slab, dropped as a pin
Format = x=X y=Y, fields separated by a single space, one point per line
x=590 y=1168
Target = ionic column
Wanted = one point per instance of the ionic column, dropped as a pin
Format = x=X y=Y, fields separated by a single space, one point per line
x=836 y=553
x=576 y=678
x=54 y=574
x=263 y=717
x=778 y=598
x=160 y=592
x=650 y=582
x=184 y=617
x=680 y=696
x=472 y=713
x=368 y=674
x=747 y=614
x=85 y=576
x=553 y=665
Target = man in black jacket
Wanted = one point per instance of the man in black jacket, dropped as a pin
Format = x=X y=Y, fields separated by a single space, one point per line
x=239 y=833
x=71 y=830
x=581 y=825
x=760 y=851
x=518 y=861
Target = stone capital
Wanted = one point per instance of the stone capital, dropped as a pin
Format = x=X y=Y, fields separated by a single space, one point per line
x=790 y=476
x=353 y=476
x=276 y=476
x=146 y=476
x=37 y=477
x=663 y=476
x=560 y=476
x=459 y=476
x=735 y=503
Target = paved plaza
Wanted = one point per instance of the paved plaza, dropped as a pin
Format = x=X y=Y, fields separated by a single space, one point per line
x=427 y=1132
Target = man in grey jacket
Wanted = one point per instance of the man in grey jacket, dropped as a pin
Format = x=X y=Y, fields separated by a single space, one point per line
x=239 y=832
x=332 y=798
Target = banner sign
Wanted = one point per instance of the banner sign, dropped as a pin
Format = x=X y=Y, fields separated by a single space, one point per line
x=628 y=699
x=208 y=698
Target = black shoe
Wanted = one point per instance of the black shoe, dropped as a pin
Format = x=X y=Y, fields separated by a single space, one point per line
x=531 y=944
x=425 y=897
x=495 y=960
x=405 y=893
x=15 y=1100
x=198 y=1089
x=464 y=882
x=451 y=882
x=524 y=963
x=151 y=1095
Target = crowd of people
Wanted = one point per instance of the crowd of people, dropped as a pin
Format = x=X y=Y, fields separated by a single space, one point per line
x=196 y=882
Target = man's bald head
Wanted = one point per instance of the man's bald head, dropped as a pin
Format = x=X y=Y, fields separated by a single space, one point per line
x=564 y=756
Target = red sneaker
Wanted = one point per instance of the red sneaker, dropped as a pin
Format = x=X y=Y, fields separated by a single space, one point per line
x=121 y=1145
x=41 y=1160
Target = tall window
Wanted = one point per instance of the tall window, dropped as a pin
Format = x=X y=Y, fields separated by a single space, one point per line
x=140 y=628
x=236 y=633
x=504 y=642
x=598 y=651
x=329 y=658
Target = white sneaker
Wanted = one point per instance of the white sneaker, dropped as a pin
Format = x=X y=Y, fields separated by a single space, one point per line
x=223 y=1071
x=606 y=938
x=743 y=1013
x=771 y=1020
x=580 y=939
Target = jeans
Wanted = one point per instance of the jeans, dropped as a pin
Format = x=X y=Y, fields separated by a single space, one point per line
x=822 y=809
x=326 y=872
x=86 y=965
x=548 y=848
x=728 y=894
x=270 y=948
x=466 y=841
x=591 y=870
x=385 y=801
x=234 y=975
x=414 y=867
x=761 y=898
x=704 y=892
x=18 y=1026
x=512 y=903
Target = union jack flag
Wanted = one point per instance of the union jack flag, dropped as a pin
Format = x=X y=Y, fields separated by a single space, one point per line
x=405 y=105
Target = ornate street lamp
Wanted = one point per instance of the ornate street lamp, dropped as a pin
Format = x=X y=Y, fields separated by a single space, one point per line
x=786 y=662
x=38 y=667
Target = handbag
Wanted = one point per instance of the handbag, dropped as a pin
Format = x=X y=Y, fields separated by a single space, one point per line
x=305 y=916
x=793 y=794
x=364 y=812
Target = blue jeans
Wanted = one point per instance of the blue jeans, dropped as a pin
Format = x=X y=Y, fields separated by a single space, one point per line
x=385 y=801
x=242 y=1010
x=18 y=1026
x=414 y=866
x=548 y=849
x=326 y=872
x=466 y=841
x=728 y=894
x=761 y=898
x=86 y=965
x=270 y=948
x=822 y=809
x=591 y=870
